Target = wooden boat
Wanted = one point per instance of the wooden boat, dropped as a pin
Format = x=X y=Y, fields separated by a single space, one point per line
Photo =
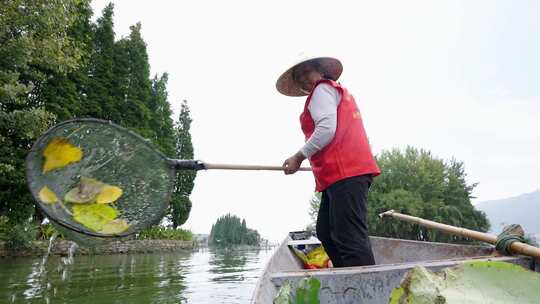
x=372 y=284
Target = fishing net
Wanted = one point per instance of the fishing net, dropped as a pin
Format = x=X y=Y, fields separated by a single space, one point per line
x=98 y=179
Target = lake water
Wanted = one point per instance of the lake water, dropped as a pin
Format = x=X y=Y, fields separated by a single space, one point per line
x=203 y=276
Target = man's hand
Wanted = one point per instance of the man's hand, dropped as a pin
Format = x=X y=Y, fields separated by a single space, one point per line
x=293 y=163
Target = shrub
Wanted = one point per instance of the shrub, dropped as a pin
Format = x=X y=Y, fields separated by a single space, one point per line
x=46 y=231
x=21 y=235
x=4 y=228
x=165 y=233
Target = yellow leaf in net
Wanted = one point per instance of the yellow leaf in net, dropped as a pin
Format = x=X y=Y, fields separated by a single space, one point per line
x=94 y=216
x=114 y=227
x=60 y=153
x=108 y=194
x=74 y=196
x=85 y=192
x=47 y=196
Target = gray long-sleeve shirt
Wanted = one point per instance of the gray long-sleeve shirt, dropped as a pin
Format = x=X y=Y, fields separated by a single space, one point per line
x=323 y=109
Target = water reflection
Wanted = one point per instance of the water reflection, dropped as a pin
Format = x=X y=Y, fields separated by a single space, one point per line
x=229 y=265
x=97 y=279
x=203 y=276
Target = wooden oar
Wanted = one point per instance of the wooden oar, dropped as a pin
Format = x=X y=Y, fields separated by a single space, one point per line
x=515 y=247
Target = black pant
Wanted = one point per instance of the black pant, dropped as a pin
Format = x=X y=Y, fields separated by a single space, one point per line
x=342 y=222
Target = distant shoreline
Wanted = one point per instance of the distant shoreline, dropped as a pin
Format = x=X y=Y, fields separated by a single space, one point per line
x=62 y=248
x=240 y=247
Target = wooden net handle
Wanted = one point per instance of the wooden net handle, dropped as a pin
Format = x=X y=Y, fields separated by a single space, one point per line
x=248 y=167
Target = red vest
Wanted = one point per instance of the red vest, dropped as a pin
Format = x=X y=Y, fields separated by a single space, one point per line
x=349 y=153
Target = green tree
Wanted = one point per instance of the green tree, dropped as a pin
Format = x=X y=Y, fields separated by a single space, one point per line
x=185 y=179
x=64 y=94
x=119 y=87
x=161 y=122
x=100 y=101
x=35 y=44
x=133 y=88
x=230 y=230
x=415 y=182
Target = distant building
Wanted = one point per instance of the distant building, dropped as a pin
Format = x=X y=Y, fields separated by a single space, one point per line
x=201 y=239
x=266 y=244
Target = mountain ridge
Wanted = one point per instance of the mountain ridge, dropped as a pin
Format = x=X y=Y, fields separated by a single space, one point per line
x=523 y=209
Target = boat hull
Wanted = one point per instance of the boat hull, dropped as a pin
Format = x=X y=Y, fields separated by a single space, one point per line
x=372 y=284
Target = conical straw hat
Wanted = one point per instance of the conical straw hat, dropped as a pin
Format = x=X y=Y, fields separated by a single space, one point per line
x=286 y=85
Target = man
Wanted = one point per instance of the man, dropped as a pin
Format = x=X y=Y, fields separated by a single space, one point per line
x=340 y=156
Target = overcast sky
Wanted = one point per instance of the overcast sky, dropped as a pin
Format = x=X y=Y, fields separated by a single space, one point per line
x=459 y=78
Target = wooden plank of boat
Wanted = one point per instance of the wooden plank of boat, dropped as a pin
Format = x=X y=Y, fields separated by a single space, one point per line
x=370 y=284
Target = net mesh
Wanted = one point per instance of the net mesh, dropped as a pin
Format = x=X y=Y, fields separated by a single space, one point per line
x=140 y=178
